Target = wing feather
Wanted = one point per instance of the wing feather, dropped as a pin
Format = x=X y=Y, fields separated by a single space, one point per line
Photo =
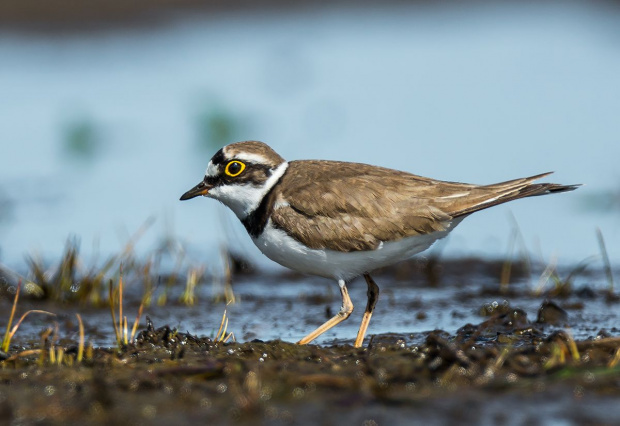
x=358 y=206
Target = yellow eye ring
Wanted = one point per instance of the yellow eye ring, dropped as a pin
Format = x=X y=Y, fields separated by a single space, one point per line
x=234 y=168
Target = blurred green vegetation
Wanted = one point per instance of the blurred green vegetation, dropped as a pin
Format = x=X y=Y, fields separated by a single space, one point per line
x=6 y=207
x=81 y=138
x=163 y=275
x=602 y=201
x=216 y=126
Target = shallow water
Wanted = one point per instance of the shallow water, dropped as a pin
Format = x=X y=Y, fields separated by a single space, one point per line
x=495 y=371
x=480 y=94
x=287 y=307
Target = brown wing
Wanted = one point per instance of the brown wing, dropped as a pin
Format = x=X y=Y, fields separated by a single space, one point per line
x=358 y=206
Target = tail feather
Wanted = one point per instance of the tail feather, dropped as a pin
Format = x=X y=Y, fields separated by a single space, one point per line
x=503 y=192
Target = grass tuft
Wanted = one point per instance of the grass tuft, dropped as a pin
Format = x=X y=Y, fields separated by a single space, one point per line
x=10 y=332
x=606 y=262
x=80 y=354
x=221 y=336
x=121 y=327
x=189 y=294
x=561 y=286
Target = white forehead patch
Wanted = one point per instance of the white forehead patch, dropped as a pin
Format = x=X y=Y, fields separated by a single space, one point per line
x=211 y=170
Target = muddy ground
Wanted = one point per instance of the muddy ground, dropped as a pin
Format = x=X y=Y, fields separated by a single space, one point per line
x=500 y=366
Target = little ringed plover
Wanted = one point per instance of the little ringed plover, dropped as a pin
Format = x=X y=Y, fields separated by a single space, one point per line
x=340 y=220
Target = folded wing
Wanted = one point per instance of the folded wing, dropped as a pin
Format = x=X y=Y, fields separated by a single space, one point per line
x=361 y=206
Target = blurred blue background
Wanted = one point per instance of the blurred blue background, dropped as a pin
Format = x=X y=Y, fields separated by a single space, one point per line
x=102 y=129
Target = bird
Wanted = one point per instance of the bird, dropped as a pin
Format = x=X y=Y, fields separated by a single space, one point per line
x=340 y=220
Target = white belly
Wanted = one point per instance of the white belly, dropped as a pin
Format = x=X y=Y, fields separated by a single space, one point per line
x=285 y=250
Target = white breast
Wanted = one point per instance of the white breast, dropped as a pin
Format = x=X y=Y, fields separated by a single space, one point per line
x=285 y=250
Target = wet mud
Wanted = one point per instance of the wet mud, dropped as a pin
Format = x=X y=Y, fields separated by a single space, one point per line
x=170 y=377
x=506 y=363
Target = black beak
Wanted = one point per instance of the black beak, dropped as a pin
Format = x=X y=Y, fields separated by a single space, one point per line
x=201 y=189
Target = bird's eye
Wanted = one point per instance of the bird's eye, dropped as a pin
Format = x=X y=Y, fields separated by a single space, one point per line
x=234 y=168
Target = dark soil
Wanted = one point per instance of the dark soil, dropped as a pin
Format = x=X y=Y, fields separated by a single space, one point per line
x=168 y=377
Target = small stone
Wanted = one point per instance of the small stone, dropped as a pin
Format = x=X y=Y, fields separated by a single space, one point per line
x=550 y=313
